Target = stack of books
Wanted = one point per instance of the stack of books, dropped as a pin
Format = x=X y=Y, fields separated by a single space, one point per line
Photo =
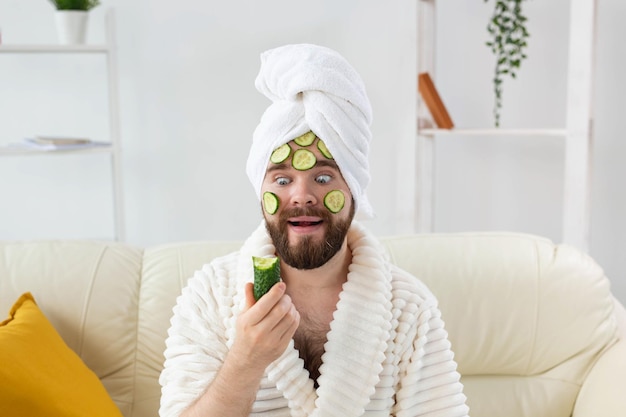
x=57 y=143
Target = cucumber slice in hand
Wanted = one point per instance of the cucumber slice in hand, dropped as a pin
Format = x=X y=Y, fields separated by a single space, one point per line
x=334 y=201
x=266 y=274
x=303 y=159
x=306 y=139
x=270 y=202
x=280 y=154
x=323 y=149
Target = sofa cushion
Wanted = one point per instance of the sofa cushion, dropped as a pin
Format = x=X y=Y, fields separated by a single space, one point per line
x=89 y=292
x=40 y=375
x=165 y=271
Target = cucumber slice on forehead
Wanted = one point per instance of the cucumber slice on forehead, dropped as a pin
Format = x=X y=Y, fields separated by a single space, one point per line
x=306 y=139
x=323 y=149
x=270 y=202
x=334 y=201
x=280 y=154
x=303 y=159
x=266 y=274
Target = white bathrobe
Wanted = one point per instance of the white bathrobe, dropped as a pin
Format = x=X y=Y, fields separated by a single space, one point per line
x=387 y=352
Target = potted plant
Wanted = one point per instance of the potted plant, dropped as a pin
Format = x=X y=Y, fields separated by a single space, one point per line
x=508 y=32
x=71 y=19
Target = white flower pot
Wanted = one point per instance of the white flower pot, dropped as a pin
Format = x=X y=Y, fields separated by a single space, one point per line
x=71 y=26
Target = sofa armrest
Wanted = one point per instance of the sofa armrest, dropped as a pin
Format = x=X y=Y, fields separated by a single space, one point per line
x=620 y=315
x=602 y=393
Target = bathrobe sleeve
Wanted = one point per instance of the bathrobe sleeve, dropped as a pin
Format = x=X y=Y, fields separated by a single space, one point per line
x=196 y=343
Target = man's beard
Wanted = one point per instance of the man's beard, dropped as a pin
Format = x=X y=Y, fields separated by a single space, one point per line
x=309 y=253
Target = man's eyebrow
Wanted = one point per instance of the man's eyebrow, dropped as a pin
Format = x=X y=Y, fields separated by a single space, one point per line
x=327 y=163
x=277 y=167
x=320 y=163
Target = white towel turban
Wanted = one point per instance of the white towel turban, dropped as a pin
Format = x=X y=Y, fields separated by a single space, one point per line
x=313 y=88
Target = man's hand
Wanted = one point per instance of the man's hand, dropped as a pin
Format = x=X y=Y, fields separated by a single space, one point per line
x=265 y=328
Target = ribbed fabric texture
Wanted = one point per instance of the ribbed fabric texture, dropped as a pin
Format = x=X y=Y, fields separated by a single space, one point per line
x=387 y=351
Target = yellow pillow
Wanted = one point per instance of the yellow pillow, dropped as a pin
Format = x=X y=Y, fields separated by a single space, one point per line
x=40 y=375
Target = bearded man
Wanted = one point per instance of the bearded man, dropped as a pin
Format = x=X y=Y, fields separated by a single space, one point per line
x=345 y=333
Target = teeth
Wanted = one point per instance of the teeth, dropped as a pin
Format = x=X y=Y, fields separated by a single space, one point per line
x=304 y=224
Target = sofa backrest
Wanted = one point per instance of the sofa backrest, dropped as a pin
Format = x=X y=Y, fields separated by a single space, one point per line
x=166 y=270
x=526 y=318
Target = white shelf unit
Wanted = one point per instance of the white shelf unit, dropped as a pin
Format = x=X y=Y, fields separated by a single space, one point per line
x=109 y=51
x=577 y=134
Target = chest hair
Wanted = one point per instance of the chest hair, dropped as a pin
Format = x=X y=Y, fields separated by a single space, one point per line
x=309 y=339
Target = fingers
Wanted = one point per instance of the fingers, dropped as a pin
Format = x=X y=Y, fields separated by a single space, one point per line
x=273 y=295
x=264 y=304
x=276 y=308
x=288 y=326
x=271 y=309
x=249 y=290
x=274 y=292
x=267 y=326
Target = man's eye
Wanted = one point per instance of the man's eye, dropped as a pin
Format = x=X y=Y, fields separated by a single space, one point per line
x=323 y=179
x=282 y=181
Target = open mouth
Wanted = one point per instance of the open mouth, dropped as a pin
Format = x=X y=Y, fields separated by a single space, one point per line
x=304 y=221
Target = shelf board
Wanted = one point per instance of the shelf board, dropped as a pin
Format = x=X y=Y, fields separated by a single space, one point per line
x=54 y=49
x=492 y=132
x=14 y=151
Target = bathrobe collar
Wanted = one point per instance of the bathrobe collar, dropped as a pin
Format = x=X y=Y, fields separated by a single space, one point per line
x=357 y=341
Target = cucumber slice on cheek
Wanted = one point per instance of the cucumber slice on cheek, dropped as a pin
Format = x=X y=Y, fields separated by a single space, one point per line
x=335 y=201
x=270 y=202
x=266 y=274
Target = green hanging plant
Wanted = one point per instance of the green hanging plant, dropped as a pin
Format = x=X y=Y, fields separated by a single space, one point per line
x=507 y=28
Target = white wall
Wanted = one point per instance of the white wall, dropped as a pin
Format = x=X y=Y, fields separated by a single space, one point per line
x=516 y=183
x=189 y=108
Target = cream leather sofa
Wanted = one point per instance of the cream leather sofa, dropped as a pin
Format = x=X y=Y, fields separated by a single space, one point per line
x=534 y=326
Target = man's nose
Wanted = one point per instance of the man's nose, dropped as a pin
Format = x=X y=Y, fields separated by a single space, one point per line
x=303 y=195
